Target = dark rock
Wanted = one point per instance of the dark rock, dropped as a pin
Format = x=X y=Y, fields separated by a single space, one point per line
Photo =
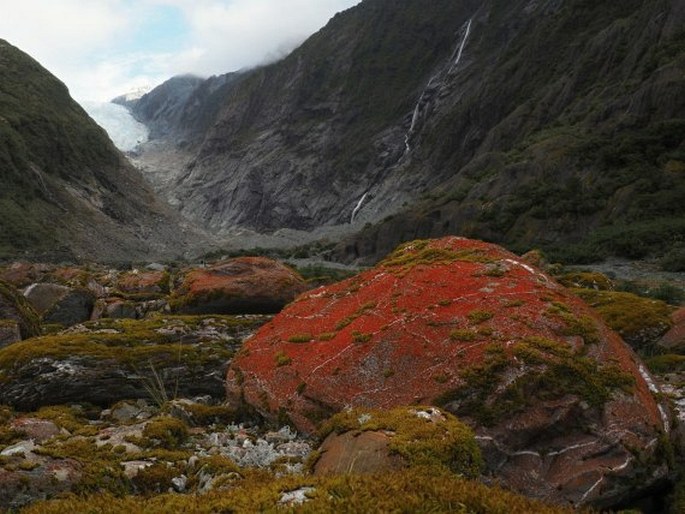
x=109 y=360
x=559 y=403
x=9 y=332
x=61 y=305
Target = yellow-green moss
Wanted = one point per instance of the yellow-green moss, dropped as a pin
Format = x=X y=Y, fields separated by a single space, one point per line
x=419 y=489
x=300 y=338
x=586 y=280
x=167 y=432
x=638 y=320
x=463 y=335
x=415 y=253
x=479 y=316
x=444 y=441
x=281 y=359
x=71 y=419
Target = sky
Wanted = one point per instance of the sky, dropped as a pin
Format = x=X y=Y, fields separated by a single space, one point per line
x=104 y=48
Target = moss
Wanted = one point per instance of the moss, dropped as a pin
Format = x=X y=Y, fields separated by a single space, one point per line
x=639 y=320
x=586 y=280
x=583 y=325
x=551 y=370
x=415 y=253
x=442 y=441
x=463 y=335
x=100 y=466
x=133 y=343
x=155 y=478
x=69 y=418
x=479 y=316
x=359 y=337
x=669 y=363
x=167 y=432
x=281 y=359
x=418 y=489
x=203 y=415
x=300 y=338
x=326 y=336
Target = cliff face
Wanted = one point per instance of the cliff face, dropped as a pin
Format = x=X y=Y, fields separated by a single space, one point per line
x=67 y=193
x=524 y=122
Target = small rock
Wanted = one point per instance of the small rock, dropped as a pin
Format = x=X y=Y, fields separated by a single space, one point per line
x=179 y=483
x=20 y=448
x=296 y=497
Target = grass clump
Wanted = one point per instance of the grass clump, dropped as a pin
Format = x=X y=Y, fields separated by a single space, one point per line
x=668 y=363
x=419 y=252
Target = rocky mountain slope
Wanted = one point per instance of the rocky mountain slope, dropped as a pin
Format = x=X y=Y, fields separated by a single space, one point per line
x=527 y=122
x=66 y=192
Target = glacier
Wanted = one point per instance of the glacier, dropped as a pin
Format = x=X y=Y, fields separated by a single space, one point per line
x=123 y=129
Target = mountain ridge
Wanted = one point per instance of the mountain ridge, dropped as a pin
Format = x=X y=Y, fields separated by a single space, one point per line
x=527 y=123
x=67 y=193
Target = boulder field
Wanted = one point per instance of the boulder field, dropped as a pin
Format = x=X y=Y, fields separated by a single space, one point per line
x=561 y=407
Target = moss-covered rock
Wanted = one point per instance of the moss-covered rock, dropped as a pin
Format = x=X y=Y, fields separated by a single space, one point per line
x=470 y=327
x=640 y=321
x=110 y=360
x=244 y=285
x=14 y=306
x=419 y=436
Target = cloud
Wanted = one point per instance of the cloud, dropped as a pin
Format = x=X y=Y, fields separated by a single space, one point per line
x=103 y=48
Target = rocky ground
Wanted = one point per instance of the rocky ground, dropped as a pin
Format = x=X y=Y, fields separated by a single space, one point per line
x=115 y=391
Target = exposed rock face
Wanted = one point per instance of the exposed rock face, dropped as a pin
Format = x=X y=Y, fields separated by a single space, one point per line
x=9 y=332
x=13 y=306
x=560 y=405
x=60 y=304
x=395 y=100
x=245 y=285
x=674 y=339
x=110 y=360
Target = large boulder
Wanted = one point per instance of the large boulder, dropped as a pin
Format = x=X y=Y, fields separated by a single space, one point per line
x=13 y=306
x=105 y=361
x=245 y=285
x=60 y=304
x=561 y=407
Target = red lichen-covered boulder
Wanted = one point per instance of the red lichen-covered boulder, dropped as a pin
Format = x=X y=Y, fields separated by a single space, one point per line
x=245 y=285
x=561 y=407
x=144 y=282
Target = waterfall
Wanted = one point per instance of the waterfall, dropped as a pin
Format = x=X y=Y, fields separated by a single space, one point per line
x=358 y=207
x=461 y=47
x=436 y=82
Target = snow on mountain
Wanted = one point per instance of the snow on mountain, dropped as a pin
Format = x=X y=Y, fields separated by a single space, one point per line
x=125 y=132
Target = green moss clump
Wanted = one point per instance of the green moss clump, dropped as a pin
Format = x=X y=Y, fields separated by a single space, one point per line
x=203 y=415
x=479 y=316
x=360 y=337
x=441 y=441
x=300 y=338
x=281 y=359
x=463 y=335
x=640 y=321
x=69 y=418
x=415 y=253
x=586 y=280
x=167 y=432
x=156 y=478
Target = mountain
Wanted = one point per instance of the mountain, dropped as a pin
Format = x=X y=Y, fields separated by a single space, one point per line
x=67 y=193
x=556 y=123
